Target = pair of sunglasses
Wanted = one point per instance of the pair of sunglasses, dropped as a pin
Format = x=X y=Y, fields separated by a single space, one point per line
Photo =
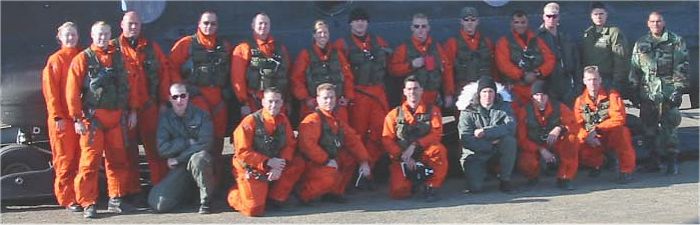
x=552 y=16
x=182 y=96
x=420 y=26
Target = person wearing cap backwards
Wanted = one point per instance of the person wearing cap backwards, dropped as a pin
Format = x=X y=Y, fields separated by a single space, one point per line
x=547 y=130
x=426 y=60
x=565 y=82
x=523 y=58
x=486 y=129
x=321 y=63
x=367 y=55
x=600 y=114
x=604 y=45
x=471 y=52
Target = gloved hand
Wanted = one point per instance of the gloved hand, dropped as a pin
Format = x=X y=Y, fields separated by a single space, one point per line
x=676 y=99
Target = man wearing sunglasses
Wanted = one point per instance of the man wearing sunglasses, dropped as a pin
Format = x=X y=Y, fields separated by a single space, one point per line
x=202 y=62
x=565 y=82
x=426 y=60
x=523 y=58
x=185 y=136
x=471 y=52
x=605 y=46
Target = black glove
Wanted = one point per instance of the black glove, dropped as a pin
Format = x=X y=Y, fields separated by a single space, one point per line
x=676 y=99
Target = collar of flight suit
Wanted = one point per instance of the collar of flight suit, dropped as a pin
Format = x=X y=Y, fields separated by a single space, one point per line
x=208 y=41
x=424 y=46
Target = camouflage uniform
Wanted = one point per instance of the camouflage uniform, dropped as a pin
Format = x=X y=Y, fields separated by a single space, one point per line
x=607 y=48
x=194 y=168
x=658 y=76
x=566 y=81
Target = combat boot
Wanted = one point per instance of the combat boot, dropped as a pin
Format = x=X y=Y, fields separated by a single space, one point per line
x=507 y=187
x=74 y=208
x=624 y=178
x=429 y=194
x=90 y=212
x=565 y=184
x=118 y=206
x=672 y=165
x=594 y=172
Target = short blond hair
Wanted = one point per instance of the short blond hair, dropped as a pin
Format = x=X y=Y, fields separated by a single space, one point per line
x=100 y=24
x=552 y=6
x=325 y=87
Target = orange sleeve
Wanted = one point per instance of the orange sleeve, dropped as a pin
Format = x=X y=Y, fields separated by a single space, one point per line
x=525 y=144
x=309 y=134
x=448 y=78
x=549 y=61
x=503 y=63
x=178 y=55
x=349 y=84
x=450 y=47
x=74 y=84
x=298 y=77
x=341 y=46
x=381 y=42
x=389 y=135
x=568 y=119
x=578 y=116
x=353 y=143
x=51 y=86
x=244 y=144
x=616 y=112
x=287 y=152
x=398 y=66
x=164 y=73
x=239 y=65
x=136 y=78
x=435 y=135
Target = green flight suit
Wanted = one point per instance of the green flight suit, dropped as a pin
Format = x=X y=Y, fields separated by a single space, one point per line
x=607 y=48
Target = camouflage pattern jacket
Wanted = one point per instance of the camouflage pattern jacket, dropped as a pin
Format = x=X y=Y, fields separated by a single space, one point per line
x=659 y=66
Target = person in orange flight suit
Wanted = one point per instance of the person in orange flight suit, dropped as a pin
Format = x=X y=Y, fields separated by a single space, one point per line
x=148 y=75
x=601 y=115
x=322 y=64
x=206 y=78
x=265 y=164
x=64 y=141
x=548 y=130
x=522 y=58
x=98 y=110
x=332 y=149
x=470 y=52
x=411 y=135
x=263 y=55
x=367 y=55
x=427 y=61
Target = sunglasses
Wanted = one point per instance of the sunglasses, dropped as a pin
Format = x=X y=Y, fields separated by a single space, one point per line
x=420 y=26
x=552 y=16
x=182 y=96
x=468 y=19
x=207 y=23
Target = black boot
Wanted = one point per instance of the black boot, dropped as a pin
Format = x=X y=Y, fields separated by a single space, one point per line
x=118 y=206
x=672 y=164
x=565 y=184
x=594 y=172
x=90 y=212
x=430 y=194
x=625 y=178
x=507 y=187
x=74 y=207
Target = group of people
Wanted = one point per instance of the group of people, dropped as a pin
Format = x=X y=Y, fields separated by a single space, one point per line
x=566 y=109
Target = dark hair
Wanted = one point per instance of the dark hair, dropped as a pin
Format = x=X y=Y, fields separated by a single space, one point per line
x=411 y=78
x=518 y=13
x=272 y=90
x=598 y=5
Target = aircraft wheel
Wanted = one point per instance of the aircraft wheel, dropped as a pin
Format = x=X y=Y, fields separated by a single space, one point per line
x=18 y=158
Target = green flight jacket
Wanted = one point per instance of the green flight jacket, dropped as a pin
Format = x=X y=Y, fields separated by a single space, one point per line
x=608 y=49
x=174 y=133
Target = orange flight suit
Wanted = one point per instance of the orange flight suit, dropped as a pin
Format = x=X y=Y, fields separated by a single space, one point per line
x=566 y=147
x=370 y=99
x=510 y=69
x=319 y=179
x=299 y=83
x=400 y=66
x=64 y=144
x=612 y=132
x=107 y=138
x=239 y=69
x=147 y=107
x=434 y=155
x=248 y=196
x=211 y=99
x=451 y=48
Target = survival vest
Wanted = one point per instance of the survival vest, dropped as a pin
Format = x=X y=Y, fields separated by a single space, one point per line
x=408 y=133
x=591 y=118
x=368 y=65
x=328 y=71
x=269 y=145
x=207 y=67
x=470 y=65
x=151 y=65
x=528 y=58
x=330 y=142
x=537 y=132
x=264 y=72
x=105 y=87
x=429 y=80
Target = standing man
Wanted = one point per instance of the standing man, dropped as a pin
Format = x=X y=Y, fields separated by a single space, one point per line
x=600 y=114
x=659 y=76
x=547 y=131
x=322 y=63
x=148 y=74
x=97 y=92
x=202 y=62
x=411 y=136
x=605 y=46
x=185 y=134
x=565 y=82
x=471 y=52
x=265 y=164
x=333 y=151
x=487 y=129
x=258 y=64
x=426 y=60
x=367 y=55
x=65 y=149
x=522 y=57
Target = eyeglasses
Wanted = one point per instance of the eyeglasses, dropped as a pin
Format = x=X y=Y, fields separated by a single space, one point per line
x=207 y=23
x=552 y=16
x=182 y=96
x=469 y=19
x=420 y=26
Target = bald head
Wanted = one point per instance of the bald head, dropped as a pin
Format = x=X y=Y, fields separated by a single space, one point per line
x=131 y=25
